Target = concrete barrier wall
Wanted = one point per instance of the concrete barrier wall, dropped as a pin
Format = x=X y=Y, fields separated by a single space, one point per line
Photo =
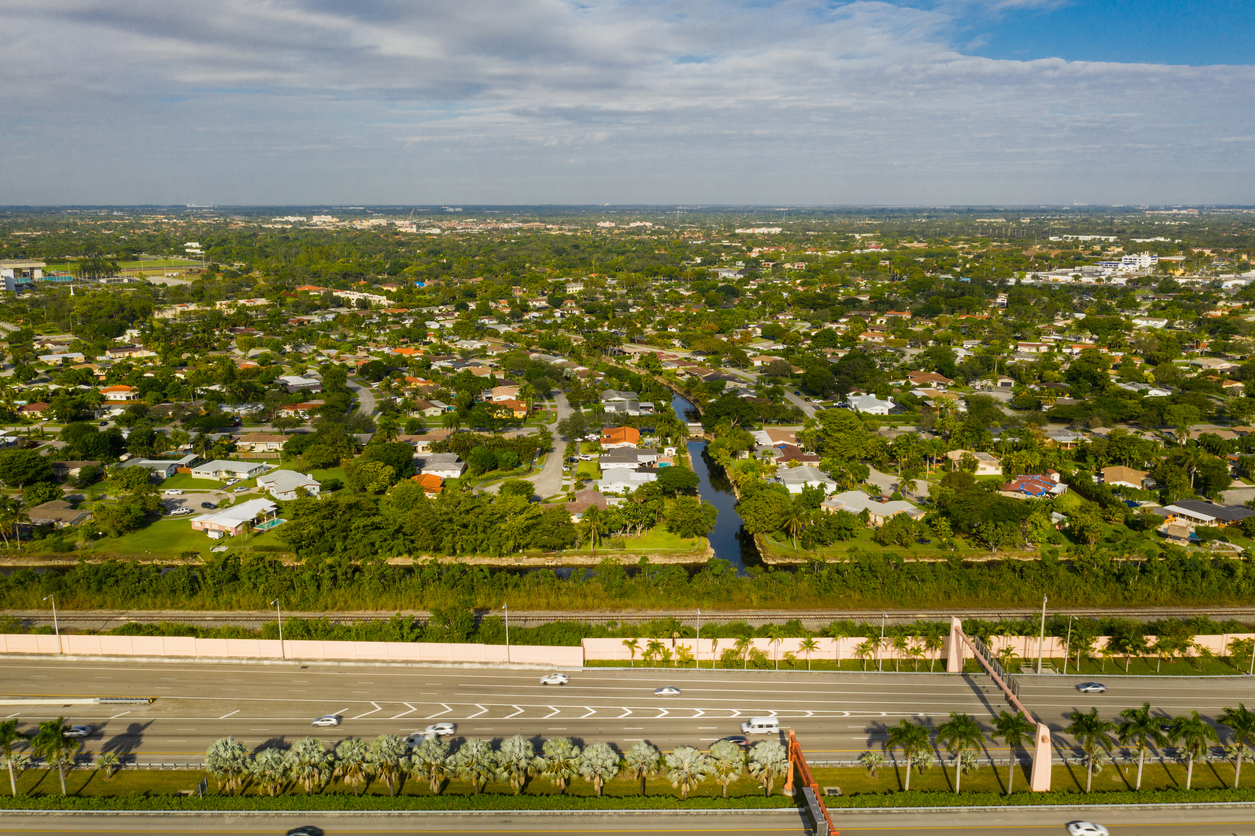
x=230 y=649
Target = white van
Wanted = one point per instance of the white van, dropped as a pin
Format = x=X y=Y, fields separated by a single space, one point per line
x=761 y=725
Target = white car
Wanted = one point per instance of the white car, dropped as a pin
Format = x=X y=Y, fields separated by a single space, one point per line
x=1086 y=828
x=415 y=740
x=555 y=679
x=174 y=492
x=242 y=489
x=438 y=729
x=327 y=721
x=667 y=691
x=1091 y=688
x=180 y=512
x=77 y=732
x=232 y=482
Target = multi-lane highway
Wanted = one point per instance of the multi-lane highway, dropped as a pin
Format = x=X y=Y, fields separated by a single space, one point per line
x=1123 y=821
x=836 y=716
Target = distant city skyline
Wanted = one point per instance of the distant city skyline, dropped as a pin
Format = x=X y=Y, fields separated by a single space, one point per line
x=908 y=103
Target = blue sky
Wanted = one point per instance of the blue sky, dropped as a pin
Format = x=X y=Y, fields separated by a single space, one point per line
x=627 y=101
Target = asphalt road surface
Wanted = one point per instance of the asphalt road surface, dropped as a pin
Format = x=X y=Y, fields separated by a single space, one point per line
x=836 y=716
x=771 y=823
x=1122 y=821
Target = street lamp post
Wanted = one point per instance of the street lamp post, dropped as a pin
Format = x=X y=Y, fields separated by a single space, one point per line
x=56 y=628
x=506 y=607
x=282 y=652
x=1041 y=641
x=880 y=648
x=698 y=648
x=1067 y=645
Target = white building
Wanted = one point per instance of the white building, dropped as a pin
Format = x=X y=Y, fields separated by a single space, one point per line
x=224 y=470
x=870 y=404
x=283 y=484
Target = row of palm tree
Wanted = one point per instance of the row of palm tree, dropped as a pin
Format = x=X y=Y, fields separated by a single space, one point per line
x=915 y=648
x=310 y=763
x=49 y=743
x=962 y=737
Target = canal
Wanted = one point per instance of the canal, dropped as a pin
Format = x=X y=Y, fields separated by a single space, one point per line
x=728 y=540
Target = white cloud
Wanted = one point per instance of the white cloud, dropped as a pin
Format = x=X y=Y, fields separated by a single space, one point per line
x=545 y=101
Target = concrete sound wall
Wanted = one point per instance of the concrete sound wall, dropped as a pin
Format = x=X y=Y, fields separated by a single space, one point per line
x=230 y=649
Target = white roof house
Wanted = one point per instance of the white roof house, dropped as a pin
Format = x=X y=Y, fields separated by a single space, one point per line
x=232 y=520
x=282 y=484
x=223 y=469
x=870 y=404
x=856 y=502
x=803 y=476
x=621 y=479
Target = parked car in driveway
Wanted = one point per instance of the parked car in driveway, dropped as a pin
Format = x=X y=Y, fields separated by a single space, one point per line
x=174 y=492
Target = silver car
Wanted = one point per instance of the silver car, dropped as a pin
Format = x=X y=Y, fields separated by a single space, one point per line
x=1091 y=688
x=327 y=721
x=78 y=732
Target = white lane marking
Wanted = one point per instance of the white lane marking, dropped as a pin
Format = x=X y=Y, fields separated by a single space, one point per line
x=516 y=713
x=341 y=711
x=663 y=714
x=447 y=709
x=555 y=713
x=591 y=712
x=116 y=716
x=377 y=706
x=625 y=713
x=700 y=713
x=634 y=728
x=558 y=729
x=633 y=739
x=225 y=716
x=707 y=728
x=482 y=710
x=403 y=713
x=17 y=714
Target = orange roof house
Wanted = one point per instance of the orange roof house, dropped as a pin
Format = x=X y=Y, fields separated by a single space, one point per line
x=620 y=437
x=430 y=482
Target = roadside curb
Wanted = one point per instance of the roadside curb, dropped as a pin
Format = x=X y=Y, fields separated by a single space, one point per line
x=397 y=813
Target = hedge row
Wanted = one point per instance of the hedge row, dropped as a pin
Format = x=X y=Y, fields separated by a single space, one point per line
x=930 y=798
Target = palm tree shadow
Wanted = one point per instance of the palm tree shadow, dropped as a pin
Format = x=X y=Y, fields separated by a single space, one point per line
x=280 y=743
x=125 y=744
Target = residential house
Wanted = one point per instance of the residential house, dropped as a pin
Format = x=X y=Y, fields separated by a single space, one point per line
x=71 y=469
x=299 y=410
x=223 y=470
x=613 y=437
x=804 y=476
x=234 y=520
x=623 y=479
x=1119 y=475
x=33 y=410
x=162 y=468
x=262 y=442
x=444 y=465
x=429 y=482
x=856 y=502
x=283 y=484
x=1034 y=485
x=57 y=513
x=930 y=380
x=296 y=383
x=986 y=465
x=870 y=404
x=1194 y=512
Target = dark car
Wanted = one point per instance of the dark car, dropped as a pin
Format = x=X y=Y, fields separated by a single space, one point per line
x=739 y=739
x=209 y=505
x=306 y=830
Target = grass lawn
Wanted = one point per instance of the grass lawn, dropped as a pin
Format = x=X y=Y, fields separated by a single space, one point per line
x=166 y=537
x=185 y=482
x=863 y=542
x=587 y=470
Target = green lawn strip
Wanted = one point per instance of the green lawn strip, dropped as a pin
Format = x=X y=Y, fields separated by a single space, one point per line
x=587 y=470
x=1143 y=666
x=862 y=542
x=185 y=482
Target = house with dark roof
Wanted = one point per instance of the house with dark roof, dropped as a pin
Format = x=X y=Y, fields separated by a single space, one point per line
x=1034 y=486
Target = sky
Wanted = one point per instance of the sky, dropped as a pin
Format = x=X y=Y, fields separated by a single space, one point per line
x=795 y=102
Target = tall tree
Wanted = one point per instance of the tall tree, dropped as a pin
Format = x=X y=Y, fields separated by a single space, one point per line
x=389 y=760
x=1194 y=735
x=473 y=761
x=311 y=763
x=1143 y=729
x=10 y=735
x=559 y=761
x=912 y=739
x=728 y=763
x=959 y=735
x=642 y=761
x=1015 y=730
x=228 y=761
x=1241 y=724
x=599 y=764
x=55 y=747
x=430 y=762
x=768 y=761
x=352 y=764
x=686 y=768
x=1092 y=732
x=516 y=762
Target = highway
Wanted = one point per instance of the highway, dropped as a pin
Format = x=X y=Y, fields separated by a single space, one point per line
x=1123 y=821
x=836 y=716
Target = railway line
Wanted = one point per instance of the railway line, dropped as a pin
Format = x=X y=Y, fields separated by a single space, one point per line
x=811 y=619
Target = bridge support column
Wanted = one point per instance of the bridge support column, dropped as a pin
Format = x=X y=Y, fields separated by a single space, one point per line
x=955 y=654
x=1040 y=775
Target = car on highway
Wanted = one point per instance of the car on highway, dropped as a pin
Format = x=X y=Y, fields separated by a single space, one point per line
x=305 y=830
x=438 y=729
x=739 y=739
x=555 y=679
x=327 y=721
x=174 y=492
x=1086 y=828
x=77 y=732
x=1091 y=688
x=416 y=739
x=667 y=691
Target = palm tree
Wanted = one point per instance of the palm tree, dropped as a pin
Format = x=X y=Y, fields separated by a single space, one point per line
x=872 y=761
x=836 y=633
x=473 y=762
x=430 y=762
x=516 y=762
x=388 y=759
x=1015 y=730
x=1194 y=735
x=686 y=768
x=912 y=739
x=1241 y=724
x=110 y=762
x=599 y=764
x=352 y=765
x=12 y=515
x=633 y=645
x=1091 y=731
x=55 y=747
x=769 y=761
x=10 y=735
x=653 y=649
x=594 y=526
x=934 y=642
x=775 y=635
x=728 y=763
x=311 y=763
x=899 y=644
x=386 y=428
x=271 y=768
x=959 y=734
x=808 y=646
x=796 y=520
x=743 y=646
x=1140 y=727
x=642 y=761
x=228 y=760
x=560 y=761
x=866 y=649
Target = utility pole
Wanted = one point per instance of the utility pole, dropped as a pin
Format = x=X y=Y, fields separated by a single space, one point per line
x=282 y=652
x=1041 y=641
x=56 y=628
x=1067 y=645
x=698 y=648
x=880 y=648
x=506 y=607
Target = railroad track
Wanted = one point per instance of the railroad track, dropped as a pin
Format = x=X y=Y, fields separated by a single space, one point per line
x=812 y=619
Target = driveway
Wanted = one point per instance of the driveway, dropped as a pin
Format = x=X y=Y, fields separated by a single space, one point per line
x=548 y=481
x=365 y=398
x=888 y=483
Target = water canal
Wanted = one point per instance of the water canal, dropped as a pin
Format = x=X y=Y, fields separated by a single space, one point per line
x=728 y=540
